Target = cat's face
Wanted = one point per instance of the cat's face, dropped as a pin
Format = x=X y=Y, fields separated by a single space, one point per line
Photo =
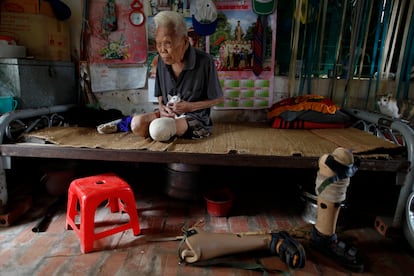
x=388 y=106
x=385 y=100
x=173 y=99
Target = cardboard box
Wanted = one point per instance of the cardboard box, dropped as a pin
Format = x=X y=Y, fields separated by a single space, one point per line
x=45 y=8
x=27 y=6
x=44 y=37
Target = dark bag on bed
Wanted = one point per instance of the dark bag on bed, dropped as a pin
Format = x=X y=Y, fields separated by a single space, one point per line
x=91 y=117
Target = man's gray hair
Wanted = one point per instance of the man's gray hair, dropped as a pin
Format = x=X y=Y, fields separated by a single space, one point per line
x=171 y=19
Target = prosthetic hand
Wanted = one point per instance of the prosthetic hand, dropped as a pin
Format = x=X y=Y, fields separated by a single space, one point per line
x=199 y=245
x=332 y=182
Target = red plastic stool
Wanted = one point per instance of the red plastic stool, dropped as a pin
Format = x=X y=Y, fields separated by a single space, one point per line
x=90 y=192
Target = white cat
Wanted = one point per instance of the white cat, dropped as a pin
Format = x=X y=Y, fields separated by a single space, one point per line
x=172 y=100
x=388 y=106
x=396 y=108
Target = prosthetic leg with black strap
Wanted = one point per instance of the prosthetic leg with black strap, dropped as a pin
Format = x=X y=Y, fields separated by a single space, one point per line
x=332 y=181
x=198 y=245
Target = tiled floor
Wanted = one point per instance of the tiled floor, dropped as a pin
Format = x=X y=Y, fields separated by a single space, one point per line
x=264 y=201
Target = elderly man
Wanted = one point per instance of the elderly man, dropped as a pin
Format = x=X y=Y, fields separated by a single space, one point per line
x=182 y=71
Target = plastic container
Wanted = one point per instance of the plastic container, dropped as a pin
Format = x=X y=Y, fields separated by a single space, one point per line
x=310 y=211
x=7 y=104
x=182 y=181
x=219 y=202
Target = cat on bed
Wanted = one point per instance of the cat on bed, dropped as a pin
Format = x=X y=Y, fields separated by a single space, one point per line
x=172 y=100
x=396 y=108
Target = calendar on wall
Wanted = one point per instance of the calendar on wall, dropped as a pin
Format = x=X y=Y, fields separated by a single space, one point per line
x=241 y=92
x=117 y=49
x=116 y=35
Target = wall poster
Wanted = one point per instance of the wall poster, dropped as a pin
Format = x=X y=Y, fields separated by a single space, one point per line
x=232 y=45
x=118 y=44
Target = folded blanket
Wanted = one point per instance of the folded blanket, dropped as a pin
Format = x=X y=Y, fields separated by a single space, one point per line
x=307 y=112
x=299 y=103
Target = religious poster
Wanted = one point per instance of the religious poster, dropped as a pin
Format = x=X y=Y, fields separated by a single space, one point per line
x=247 y=78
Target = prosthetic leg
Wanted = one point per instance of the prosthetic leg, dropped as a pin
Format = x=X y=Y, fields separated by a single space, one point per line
x=332 y=182
x=199 y=245
x=151 y=124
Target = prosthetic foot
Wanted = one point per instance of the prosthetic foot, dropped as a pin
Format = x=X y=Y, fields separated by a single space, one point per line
x=110 y=127
x=199 y=245
x=332 y=182
x=345 y=255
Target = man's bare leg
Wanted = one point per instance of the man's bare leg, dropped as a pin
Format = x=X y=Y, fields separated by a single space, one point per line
x=182 y=126
x=140 y=123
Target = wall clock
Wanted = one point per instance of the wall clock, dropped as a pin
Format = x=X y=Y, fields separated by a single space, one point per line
x=136 y=16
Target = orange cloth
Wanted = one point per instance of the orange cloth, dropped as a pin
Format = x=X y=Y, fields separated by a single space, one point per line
x=299 y=103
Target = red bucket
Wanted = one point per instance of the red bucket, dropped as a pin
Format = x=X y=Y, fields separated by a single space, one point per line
x=219 y=202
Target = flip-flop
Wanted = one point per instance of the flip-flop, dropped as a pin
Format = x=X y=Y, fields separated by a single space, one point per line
x=290 y=251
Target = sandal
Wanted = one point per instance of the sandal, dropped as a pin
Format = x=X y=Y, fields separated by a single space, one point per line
x=290 y=251
x=347 y=256
x=196 y=130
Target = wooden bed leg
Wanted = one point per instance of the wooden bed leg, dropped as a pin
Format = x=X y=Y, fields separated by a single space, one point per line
x=3 y=189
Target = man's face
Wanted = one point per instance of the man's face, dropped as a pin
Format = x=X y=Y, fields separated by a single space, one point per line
x=170 y=46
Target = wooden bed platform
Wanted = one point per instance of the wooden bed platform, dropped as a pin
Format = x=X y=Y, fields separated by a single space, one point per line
x=247 y=144
x=232 y=144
